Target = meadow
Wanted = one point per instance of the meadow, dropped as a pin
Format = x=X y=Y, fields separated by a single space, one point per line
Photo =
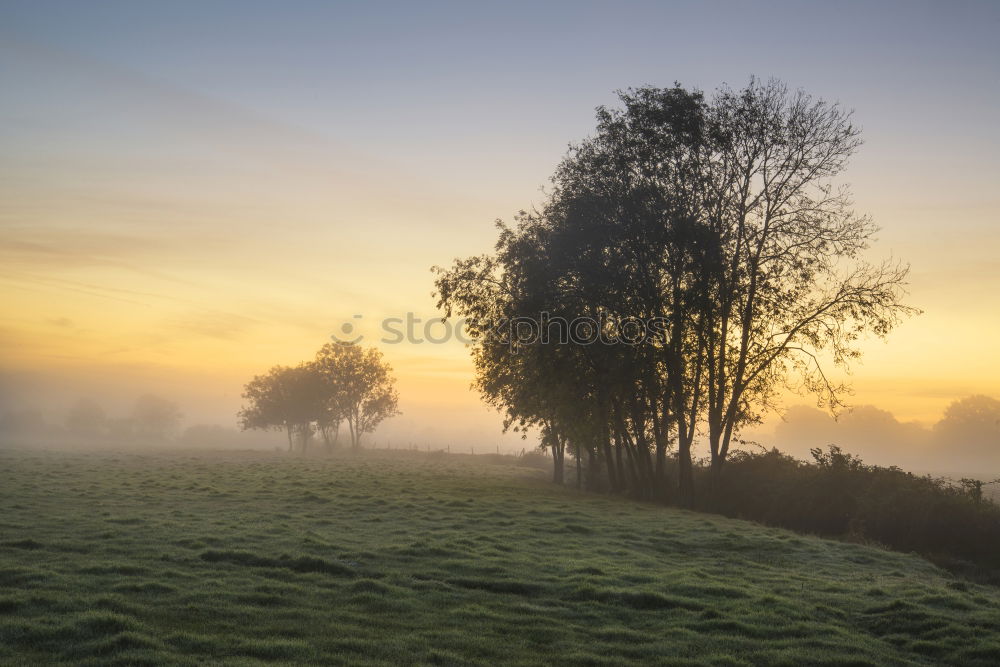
x=401 y=558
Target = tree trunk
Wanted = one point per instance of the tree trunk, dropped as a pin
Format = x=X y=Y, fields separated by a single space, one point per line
x=715 y=476
x=635 y=482
x=579 y=478
x=557 y=460
x=643 y=458
x=660 y=472
x=615 y=482
x=685 y=473
x=623 y=443
x=619 y=467
x=685 y=437
x=593 y=468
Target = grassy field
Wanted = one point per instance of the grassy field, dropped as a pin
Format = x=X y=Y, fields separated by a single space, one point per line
x=243 y=558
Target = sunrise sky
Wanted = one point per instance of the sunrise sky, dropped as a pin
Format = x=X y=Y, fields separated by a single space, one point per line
x=191 y=192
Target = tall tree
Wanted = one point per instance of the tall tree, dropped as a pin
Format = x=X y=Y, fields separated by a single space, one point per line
x=288 y=398
x=787 y=285
x=626 y=201
x=522 y=367
x=360 y=387
x=716 y=220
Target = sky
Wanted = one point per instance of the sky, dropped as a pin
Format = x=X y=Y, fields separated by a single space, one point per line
x=192 y=192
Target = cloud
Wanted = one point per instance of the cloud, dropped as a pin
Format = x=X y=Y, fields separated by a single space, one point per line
x=213 y=324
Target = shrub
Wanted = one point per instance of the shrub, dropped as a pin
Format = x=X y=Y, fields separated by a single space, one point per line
x=838 y=495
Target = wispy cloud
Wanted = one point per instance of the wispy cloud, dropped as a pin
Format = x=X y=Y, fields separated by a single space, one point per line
x=213 y=324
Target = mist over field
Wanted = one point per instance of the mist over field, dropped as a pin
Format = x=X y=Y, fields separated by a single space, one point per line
x=965 y=442
x=608 y=333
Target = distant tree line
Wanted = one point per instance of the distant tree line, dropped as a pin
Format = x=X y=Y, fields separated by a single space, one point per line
x=692 y=258
x=966 y=440
x=151 y=419
x=344 y=385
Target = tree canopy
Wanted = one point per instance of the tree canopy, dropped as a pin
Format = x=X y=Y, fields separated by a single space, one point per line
x=360 y=387
x=344 y=383
x=707 y=248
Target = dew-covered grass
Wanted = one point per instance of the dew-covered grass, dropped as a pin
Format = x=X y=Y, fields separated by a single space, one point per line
x=254 y=558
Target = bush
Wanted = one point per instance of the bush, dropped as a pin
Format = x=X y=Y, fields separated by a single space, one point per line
x=838 y=495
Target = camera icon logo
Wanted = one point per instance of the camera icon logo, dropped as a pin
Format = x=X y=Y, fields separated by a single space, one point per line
x=345 y=332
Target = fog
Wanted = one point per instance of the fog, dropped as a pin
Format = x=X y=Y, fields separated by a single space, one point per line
x=36 y=409
x=964 y=442
x=59 y=412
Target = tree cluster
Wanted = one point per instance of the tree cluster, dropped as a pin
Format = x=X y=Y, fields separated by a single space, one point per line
x=344 y=384
x=692 y=257
x=152 y=419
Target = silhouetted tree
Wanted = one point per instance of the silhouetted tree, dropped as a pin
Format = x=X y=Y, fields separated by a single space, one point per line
x=358 y=388
x=786 y=282
x=716 y=221
x=535 y=383
x=344 y=383
x=614 y=244
x=286 y=398
x=626 y=202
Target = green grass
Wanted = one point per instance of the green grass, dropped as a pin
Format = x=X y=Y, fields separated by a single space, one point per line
x=243 y=558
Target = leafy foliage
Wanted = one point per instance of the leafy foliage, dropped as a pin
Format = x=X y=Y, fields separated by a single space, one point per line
x=359 y=387
x=714 y=223
x=344 y=383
